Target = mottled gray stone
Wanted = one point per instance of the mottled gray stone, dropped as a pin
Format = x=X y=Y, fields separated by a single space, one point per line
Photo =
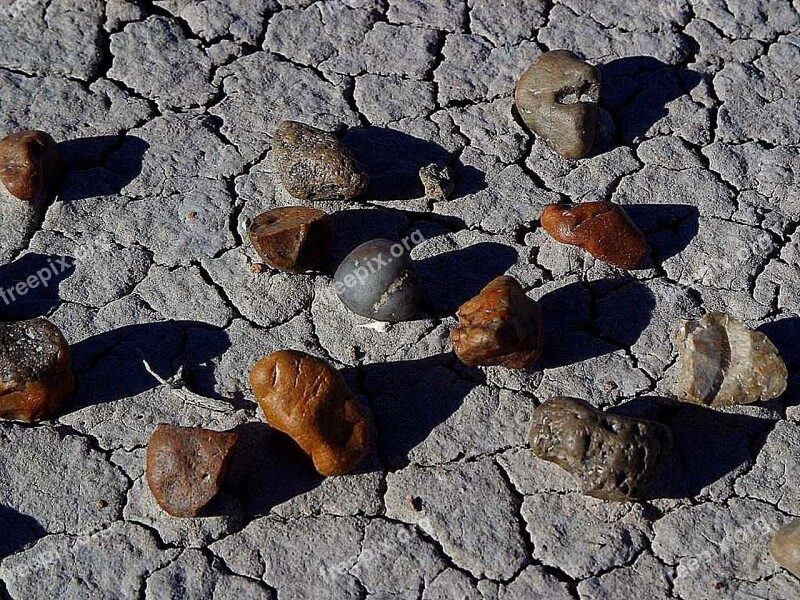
x=649 y=577
x=446 y=15
x=390 y=98
x=212 y=19
x=506 y=22
x=535 y=582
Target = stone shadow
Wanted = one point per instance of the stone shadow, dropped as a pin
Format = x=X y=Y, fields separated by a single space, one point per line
x=569 y=314
x=17 y=531
x=392 y=159
x=100 y=166
x=110 y=367
x=669 y=228
x=785 y=333
x=637 y=89
x=707 y=444
x=45 y=272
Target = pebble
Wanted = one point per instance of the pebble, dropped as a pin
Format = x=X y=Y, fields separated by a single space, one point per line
x=438 y=181
x=305 y=398
x=29 y=164
x=186 y=466
x=314 y=165
x=602 y=228
x=35 y=370
x=378 y=280
x=614 y=457
x=292 y=238
x=723 y=362
x=557 y=99
x=499 y=326
x=785 y=547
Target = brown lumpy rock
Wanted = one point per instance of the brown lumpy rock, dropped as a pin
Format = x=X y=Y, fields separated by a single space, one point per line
x=293 y=238
x=302 y=396
x=29 y=164
x=602 y=228
x=614 y=457
x=437 y=181
x=499 y=326
x=785 y=547
x=557 y=99
x=186 y=466
x=314 y=165
x=724 y=362
x=35 y=370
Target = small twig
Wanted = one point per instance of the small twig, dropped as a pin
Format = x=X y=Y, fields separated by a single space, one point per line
x=177 y=387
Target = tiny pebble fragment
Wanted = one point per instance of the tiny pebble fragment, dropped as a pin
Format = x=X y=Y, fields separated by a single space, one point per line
x=29 y=164
x=785 y=547
x=305 y=398
x=723 y=362
x=292 y=238
x=35 y=370
x=438 y=181
x=186 y=466
x=614 y=457
x=557 y=99
x=499 y=326
x=602 y=228
x=378 y=280
x=314 y=165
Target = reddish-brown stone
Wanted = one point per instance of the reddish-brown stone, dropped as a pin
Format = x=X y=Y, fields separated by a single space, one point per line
x=35 y=372
x=305 y=398
x=603 y=229
x=499 y=326
x=29 y=164
x=293 y=238
x=186 y=466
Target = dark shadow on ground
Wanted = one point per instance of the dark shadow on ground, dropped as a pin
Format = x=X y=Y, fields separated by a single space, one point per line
x=109 y=366
x=708 y=444
x=45 y=272
x=17 y=530
x=100 y=166
x=669 y=228
x=785 y=333
x=392 y=159
x=637 y=89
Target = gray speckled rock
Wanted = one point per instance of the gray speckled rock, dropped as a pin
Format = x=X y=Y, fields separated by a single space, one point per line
x=378 y=280
x=614 y=457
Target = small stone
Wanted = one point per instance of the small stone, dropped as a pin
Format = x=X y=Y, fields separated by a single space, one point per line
x=305 y=398
x=615 y=457
x=293 y=238
x=378 y=280
x=29 y=164
x=499 y=326
x=315 y=165
x=191 y=216
x=603 y=229
x=35 y=370
x=186 y=466
x=438 y=181
x=557 y=99
x=256 y=268
x=101 y=504
x=785 y=547
x=724 y=363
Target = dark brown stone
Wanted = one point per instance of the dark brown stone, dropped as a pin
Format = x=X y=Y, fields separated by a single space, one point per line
x=603 y=229
x=305 y=398
x=186 y=466
x=499 y=326
x=614 y=457
x=35 y=370
x=293 y=238
x=315 y=165
x=29 y=164
x=557 y=99
x=437 y=181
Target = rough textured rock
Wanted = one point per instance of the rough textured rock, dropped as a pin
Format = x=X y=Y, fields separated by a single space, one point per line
x=499 y=326
x=614 y=457
x=785 y=547
x=557 y=99
x=314 y=165
x=35 y=370
x=724 y=362
x=603 y=229
x=292 y=238
x=29 y=164
x=308 y=400
x=438 y=181
x=186 y=467
x=378 y=280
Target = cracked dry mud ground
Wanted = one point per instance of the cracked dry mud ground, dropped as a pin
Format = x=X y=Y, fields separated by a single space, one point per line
x=165 y=108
